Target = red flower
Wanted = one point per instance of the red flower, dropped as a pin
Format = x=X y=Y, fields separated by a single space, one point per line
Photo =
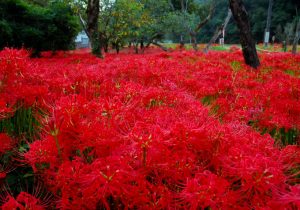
x=6 y=143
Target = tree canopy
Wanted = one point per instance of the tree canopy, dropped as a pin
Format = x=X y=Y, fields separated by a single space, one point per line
x=52 y=25
x=31 y=25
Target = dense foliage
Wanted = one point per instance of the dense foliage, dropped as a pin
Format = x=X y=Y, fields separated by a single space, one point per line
x=169 y=20
x=178 y=130
x=52 y=25
x=285 y=13
x=38 y=28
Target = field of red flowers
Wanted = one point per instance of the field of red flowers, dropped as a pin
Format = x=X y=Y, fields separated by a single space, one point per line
x=178 y=130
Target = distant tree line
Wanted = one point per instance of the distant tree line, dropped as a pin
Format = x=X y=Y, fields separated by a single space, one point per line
x=53 y=24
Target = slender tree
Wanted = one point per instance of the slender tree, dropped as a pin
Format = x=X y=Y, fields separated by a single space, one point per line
x=92 y=26
x=242 y=20
x=218 y=31
x=296 y=38
x=183 y=5
x=193 y=33
x=268 y=25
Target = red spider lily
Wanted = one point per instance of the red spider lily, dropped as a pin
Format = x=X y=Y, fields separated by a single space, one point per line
x=205 y=190
x=7 y=143
x=178 y=130
x=23 y=201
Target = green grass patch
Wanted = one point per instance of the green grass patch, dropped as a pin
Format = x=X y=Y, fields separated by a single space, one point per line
x=286 y=137
x=208 y=100
x=282 y=136
x=219 y=48
x=236 y=66
x=292 y=73
x=22 y=125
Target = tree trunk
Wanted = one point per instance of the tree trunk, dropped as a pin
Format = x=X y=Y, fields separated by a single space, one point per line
x=136 y=47
x=218 y=31
x=193 y=35
x=83 y=24
x=248 y=46
x=105 y=47
x=160 y=46
x=150 y=41
x=104 y=40
x=181 y=43
x=267 y=30
x=296 y=39
x=142 y=44
x=92 y=26
x=284 y=46
x=117 y=47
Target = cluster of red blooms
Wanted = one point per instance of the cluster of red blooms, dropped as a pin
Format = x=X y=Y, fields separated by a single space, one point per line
x=24 y=201
x=159 y=130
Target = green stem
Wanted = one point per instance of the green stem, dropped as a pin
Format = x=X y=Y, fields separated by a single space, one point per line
x=58 y=147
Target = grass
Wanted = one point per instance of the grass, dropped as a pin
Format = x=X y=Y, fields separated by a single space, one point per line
x=23 y=124
x=226 y=47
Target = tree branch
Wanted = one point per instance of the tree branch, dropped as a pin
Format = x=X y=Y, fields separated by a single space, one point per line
x=218 y=31
x=209 y=16
x=160 y=46
x=171 y=5
x=83 y=24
